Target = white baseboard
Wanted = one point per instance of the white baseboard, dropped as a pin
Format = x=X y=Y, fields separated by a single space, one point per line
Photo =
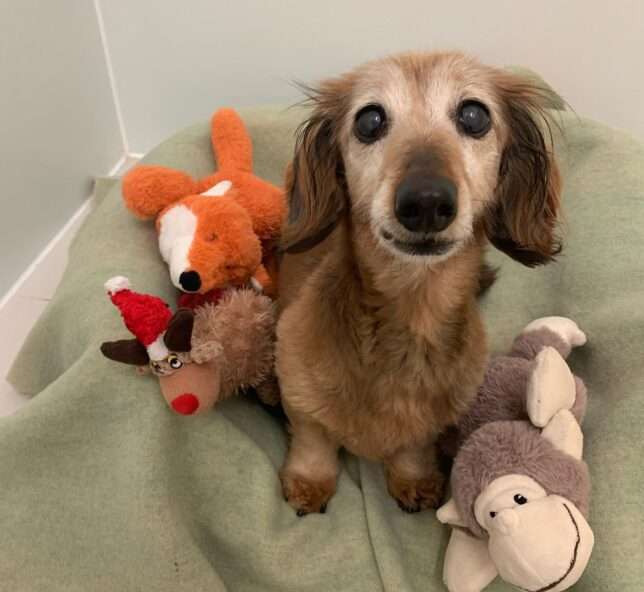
x=40 y=262
x=116 y=169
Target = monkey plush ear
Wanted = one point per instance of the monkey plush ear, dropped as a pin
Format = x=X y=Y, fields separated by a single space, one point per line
x=448 y=514
x=126 y=351
x=468 y=565
x=178 y=335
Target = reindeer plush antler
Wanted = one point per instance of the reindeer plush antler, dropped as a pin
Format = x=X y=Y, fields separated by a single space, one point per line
x=216 y=231
x=203 y=356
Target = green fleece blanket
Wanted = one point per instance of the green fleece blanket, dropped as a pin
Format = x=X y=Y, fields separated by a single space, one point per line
x=103 y=488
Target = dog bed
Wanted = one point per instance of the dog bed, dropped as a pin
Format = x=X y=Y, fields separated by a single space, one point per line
x=103 y=488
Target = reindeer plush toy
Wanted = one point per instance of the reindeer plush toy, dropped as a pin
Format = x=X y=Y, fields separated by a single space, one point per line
x=202 y=356
x=215 y=232
x=520 y=490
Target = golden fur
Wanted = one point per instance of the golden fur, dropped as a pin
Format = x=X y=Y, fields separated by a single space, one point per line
x=378 y=350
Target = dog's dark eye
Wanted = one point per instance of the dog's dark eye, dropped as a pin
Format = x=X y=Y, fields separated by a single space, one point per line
x=520 y=499
x=473 y=119
x=370 y=124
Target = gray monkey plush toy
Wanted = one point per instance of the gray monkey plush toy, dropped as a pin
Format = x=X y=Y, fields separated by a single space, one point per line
x=520 y=489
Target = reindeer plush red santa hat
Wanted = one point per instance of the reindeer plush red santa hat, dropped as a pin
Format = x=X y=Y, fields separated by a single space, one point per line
x=146 y=317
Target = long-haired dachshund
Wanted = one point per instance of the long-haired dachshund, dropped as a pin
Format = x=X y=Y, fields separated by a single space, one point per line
x=404 y=171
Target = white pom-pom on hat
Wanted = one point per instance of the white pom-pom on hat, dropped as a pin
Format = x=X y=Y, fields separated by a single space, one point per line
x=116 y=284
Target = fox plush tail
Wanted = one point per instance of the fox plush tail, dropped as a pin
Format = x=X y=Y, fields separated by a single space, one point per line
x=231 y=141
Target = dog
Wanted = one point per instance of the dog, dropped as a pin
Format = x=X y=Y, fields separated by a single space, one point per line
x=406 y=168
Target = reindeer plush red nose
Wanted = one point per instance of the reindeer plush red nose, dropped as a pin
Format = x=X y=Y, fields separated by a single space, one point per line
x=193 y=389
x=185 y=404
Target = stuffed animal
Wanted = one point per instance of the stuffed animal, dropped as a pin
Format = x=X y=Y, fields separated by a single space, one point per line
x=201 y=356
x=520 y=489
x=217 y=231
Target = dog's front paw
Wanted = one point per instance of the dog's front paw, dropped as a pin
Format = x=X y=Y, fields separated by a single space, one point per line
x=565 y=328
x=414 y=495
x=305 y=495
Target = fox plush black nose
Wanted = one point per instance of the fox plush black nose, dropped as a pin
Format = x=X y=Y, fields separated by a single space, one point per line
x=190 y=281
x=425 y=204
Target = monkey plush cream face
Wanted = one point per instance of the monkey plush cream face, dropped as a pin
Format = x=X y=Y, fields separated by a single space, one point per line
x=537 y=542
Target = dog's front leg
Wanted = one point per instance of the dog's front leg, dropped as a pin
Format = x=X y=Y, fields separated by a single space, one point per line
x=414 y=479
x=310 y=470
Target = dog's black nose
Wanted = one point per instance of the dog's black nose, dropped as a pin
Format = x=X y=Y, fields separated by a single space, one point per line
x=425 y=204
x=190 y=281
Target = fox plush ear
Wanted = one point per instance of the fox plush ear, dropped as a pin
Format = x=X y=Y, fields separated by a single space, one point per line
x=126 y=351
x=149 y=189
x=523 y=223
x=178 y=335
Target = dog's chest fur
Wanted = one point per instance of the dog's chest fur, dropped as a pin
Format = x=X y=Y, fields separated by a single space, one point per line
x=378 y=374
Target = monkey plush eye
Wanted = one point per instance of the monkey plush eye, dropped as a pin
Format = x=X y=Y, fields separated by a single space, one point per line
x=520 y=499
x=175 y=362
x=473 y=118
x=370 y=124
x=156 y=367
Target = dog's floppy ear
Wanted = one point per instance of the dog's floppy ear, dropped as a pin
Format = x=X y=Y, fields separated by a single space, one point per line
x=523 y=222
x=315 y=183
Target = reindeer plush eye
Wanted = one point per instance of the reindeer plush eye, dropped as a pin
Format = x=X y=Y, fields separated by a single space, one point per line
x=155 y=367
x=370 y=124
x=520 y=499
x=175 y=362
x=473 y=118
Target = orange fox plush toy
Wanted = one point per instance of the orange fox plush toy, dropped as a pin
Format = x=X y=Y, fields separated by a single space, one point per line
x=218 y=231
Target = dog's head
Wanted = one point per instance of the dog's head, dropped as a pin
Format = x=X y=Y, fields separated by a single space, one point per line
x=427 y=151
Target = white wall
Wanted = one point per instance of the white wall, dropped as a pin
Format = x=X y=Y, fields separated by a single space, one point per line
x=177 y=60
x=58 y=125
